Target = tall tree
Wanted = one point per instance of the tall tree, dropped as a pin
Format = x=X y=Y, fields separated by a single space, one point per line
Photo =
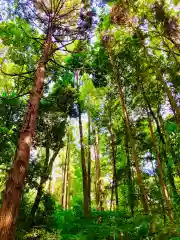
x=51 y=15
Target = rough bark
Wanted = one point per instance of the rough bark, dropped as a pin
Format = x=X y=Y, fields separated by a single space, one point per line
x=160 y=174
x=18 y=173
x=113 y=152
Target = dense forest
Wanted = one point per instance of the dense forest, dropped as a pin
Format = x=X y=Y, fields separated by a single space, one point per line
x=89 y=119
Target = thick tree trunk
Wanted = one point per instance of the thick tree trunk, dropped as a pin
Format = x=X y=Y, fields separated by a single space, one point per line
x=160 y=174
x=98 y=171
x=113 y=151
x=16 y=179
x=89 y=159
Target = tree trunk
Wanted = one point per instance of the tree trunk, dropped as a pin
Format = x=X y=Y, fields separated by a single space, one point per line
x=166 y=148
x=161 y=201
x=172 y=101
x=144 y=199
x=130 y=181
x=113 y=149
x=163 y=140
x=84 y=171
x=65 y=174
x=46 y=171
x=98 y=171
x=89 y=159
x=16 y=179
x=160 y=174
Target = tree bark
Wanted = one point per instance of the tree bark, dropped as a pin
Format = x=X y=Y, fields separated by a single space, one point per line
x=98 y=171
x=160 y=174
x=130 y=181
x=84 y=171
x=144 y=199
x=166 y=148
x=162 y=136
x=46 y=172
x=18 y=173
x=83 y=160
x=65 y=175
x=113 y=152
x=89 y=159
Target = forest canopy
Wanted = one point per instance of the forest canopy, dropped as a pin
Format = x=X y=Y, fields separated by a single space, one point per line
x=90 y=119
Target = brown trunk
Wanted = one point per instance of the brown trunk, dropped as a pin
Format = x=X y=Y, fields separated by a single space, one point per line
x=130 y=179
x=112 y=192
x=144 y=199
x=160 y=174
x=67 y=177
x=83 y=160
x=65 y=174
x=84 y=171
x=162 y=136
x=167 y=147
x=143 y=194
x=161 y=201
x=16 y=179
x=89 y=159
x=98 y=171
x=113 y=149
x=46 y=171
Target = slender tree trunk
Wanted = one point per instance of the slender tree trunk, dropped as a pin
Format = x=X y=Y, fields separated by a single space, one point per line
x=46 y=171
x=160 y=200
x=162 y=139
x=144 y=199
x=89 y=159
x=67 y=178
x=113 y=149
x=98 y=170
x=112 y=193
x=160 y=174
x=65 y=172
x=172 y=101
x=84 y=171
x=83 y=160
x=130 y=181
x=166 y=148
x=15 y=182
